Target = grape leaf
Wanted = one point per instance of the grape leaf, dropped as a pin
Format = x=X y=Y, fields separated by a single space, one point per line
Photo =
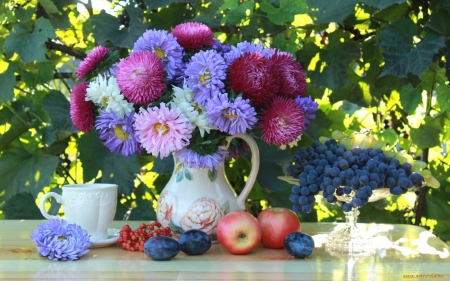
x=169 y=17
x=238 y=14
x=8 y=81
x=392 y=12
x=58 y=109
x=16 y=130
x=40 y=73
x=21 y=206
x=401 y=55
x=116 y=169
x=286 y=12
x=410 y=98
x=155 y=4
x=25 y=171
x=29 y=42
x=287 y=45
x=443 y=97
x=330 y=70
x=107 y=27
x=325 y=11
x=209 y=14
x=49 y=6
x=381 y=4
x=164 y=165
x=427 y=135
x=439 y=22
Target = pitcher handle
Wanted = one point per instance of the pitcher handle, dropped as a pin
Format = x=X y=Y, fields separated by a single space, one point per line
x=254 y=169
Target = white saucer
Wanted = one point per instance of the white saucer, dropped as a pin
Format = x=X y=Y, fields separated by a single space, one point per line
x=113 y=236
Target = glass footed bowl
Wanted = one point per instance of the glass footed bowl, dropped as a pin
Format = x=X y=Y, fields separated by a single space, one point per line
x=349 y=238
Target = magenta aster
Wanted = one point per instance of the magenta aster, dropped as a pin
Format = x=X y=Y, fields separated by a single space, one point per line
x=205 y=74
x=91 y=61
x=193 y=35
x=141 y=77
x=232 y=117
x=161 y=130
x=194 y=160
x=289 y=73
x=81 y=111
x=250 y=74
x=164 y=46
x=282 y=121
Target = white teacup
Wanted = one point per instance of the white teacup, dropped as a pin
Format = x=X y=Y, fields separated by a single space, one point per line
x=92 y=206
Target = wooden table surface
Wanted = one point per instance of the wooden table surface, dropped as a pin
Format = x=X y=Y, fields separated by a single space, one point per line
x=404 y=252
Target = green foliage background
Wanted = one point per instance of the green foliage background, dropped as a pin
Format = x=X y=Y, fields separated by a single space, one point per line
x=377 y=64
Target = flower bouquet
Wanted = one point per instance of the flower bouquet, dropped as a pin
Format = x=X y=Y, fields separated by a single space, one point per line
x=184 y=92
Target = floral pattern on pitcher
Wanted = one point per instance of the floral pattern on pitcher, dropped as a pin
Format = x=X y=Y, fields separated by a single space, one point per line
x=203 y=214
x=167 y=207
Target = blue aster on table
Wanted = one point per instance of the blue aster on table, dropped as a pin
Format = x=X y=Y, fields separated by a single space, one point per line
x=205 y=75
x=118 y=133
x=163 y=45
x=56 y=239
x=232 y=116
x=194 y=160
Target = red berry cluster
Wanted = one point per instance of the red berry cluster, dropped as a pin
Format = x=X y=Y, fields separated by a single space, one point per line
x=134 y=240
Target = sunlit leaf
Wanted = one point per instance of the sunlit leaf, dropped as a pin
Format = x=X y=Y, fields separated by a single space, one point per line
x=323 y=11
x=154 y=4
x=238 y=14
x=58 y=109
x=21 y=206
x=8 y=81
x=443 y=97
x=381 y=4
x=427 y=135
x=410 y=98
x=286 y=11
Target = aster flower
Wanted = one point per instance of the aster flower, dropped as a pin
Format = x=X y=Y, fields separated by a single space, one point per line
x=309 y=108
x=81 y=111
x=106 y=94
x=194 y=160
x=205 y=74
x=141 y=77
x=282 y=121
x=91 y=61
x=237 y=148
x=231 y=116
x=164 y=46
x=289 y=73
x=246 y=47
x=161 y=130
x=118 y=133
x=251 y=75
x=220 y=47
x=193 y=35
x=58 y=240
x=183 y=98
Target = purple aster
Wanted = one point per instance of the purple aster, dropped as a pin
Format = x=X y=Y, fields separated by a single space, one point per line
x=309 y=108
x=194 y=160
x=221 y=48
x=205 y=74
x=118 y=134
x=231 y=116
x=163 y=45
x=246 y=47
x=237 y=148
x=58 y=240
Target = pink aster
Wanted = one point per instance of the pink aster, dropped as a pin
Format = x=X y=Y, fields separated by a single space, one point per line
x=141 y=77
x=282 y=121
x=81 y=111
x=251 y=75
x=162 y=130
x=193 y=35
x=91 y=61
x=289 y=73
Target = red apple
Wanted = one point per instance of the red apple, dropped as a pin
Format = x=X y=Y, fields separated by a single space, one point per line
x=276 y=224
x=239 y=232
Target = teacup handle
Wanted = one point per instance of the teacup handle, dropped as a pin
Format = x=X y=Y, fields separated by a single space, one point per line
x=58 y=198
x=253 y=171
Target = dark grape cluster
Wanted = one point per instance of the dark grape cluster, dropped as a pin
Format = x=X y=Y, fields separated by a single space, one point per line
x=332 y=171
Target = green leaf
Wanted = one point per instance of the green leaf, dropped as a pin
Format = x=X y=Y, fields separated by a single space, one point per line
x=116 y=169
x=381 y=4
x=439 y=22
x=8 y=81
x=107 y=28
x=164 y=165
x=167 y=18
x=21 y=206
x=58 y=109
x=325 y=11
x=443 y=97
x=23 y=171
x=437 y=206
x=389 y=136
x=427 y=135
x=209 y=14
x=49 y=6
x=401 y=55
x=143 y=212
x=330 y=70
x=239 y=14
x=155 y=4
x=39 y=74
x=280 y=197
x=212 y=175
x=24 y=15
x=392 y=13
x=287 y=44
x=410 y=98
x=28 y=42
x=286 y=12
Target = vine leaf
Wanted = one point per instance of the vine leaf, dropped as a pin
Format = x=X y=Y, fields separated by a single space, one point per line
x=286 y=12
x=401 y=55
x=410 y=98
x=325 y=11
x=427 y=135
x=8 y=81
x=154 y=4
x=381 y=4
x=58 y=109
x=238 y=14
x=443 y=95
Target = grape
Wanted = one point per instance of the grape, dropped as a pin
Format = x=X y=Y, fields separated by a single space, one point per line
x=313 y=188
x=355 y=182
x=330 y=189
x=415 y=177
x=374 y=177
x=372 y=184
x=311 y=178
x=361 y=194
x=346 y=207
x=293 y=198
x=337 y=182
x=295 y=189
x=349 y=173
x=331 y=158
x=305 y=191
x=303 y=175
x=347 y=155
x=391 y=182
x=296 y=208
x=311 y=199
x=306 y=209
x=339 y=151
x=334 y=172
x=331 y=198
x=357 y=202
x=347 y=189
x=340 y=191
x=403 y=182
x=363 y=179
x=303 y=200
x=397 y=190
x=356 y=151
x=327 y=180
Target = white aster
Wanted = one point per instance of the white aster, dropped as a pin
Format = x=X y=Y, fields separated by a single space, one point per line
x=184 y=100
x=105 y=93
